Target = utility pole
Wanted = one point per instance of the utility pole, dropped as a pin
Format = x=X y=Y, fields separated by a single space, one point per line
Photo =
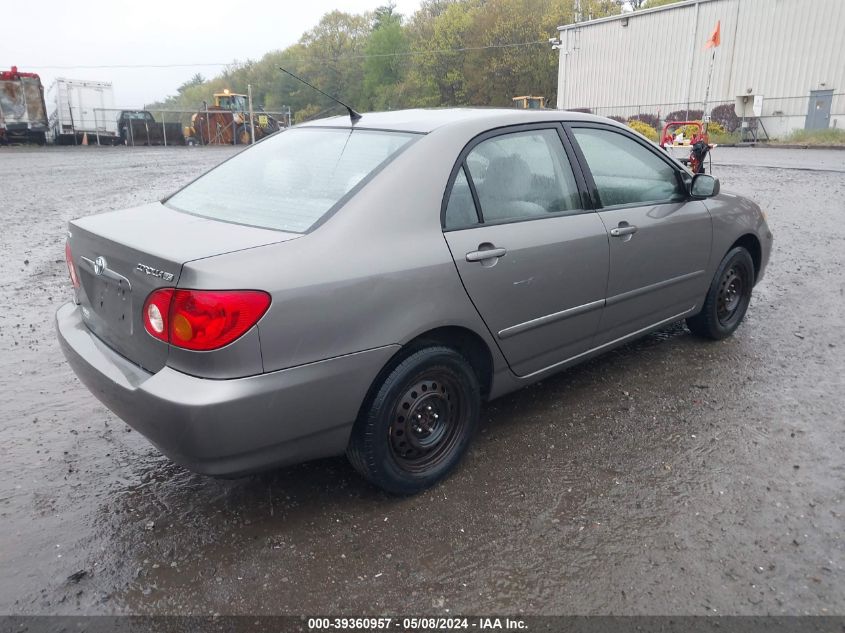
x=251 y=114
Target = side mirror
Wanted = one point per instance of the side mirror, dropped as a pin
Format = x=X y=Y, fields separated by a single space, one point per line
x=704 y=186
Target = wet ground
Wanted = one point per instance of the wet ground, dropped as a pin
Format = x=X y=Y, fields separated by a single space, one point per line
x=672 y=476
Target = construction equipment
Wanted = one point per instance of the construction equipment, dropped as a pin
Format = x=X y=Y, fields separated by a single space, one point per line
x=228 y=122
x=698 y=143
x=529 y=103
x=23 y=115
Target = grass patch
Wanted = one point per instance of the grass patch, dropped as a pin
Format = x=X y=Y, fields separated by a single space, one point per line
x=724 y=139
x=830 y=136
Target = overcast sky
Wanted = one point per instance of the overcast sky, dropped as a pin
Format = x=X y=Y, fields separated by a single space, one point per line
x=157 y=32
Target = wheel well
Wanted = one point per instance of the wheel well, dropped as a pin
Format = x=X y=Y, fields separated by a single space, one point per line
x=750 y=243
x=469 y=344
x=466 y=342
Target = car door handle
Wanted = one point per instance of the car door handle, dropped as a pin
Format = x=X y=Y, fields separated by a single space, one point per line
x=482 y=254
x=623 y=229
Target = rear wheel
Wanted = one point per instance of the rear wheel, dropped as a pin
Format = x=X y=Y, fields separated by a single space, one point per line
x=728 y=297
x=419 y=422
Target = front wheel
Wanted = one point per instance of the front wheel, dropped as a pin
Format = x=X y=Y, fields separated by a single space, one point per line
x=728 y=297
x=243 y=136
x=419 y=423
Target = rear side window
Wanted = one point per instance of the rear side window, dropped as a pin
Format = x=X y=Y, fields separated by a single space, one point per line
x=291 y=180
x=460 y=212
x=522 y=175
x=624 y=171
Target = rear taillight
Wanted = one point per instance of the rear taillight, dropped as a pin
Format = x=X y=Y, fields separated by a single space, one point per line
x=156 y=311
x=71 y=269
x=202 y=319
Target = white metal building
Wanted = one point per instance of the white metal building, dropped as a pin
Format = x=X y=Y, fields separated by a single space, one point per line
x=653 y=61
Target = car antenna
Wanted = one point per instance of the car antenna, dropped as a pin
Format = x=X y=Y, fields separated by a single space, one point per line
x=353 y=114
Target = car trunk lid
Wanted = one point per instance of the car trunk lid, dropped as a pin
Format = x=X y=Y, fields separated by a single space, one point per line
x=121 y=257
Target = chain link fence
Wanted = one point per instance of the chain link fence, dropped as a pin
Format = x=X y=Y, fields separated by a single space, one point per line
x=134 y=128
x=779 y=115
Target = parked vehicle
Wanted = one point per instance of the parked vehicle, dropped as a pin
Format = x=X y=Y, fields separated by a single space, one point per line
x=80 y=107
x=364 y=287
x=23 y=116
x=139 y=127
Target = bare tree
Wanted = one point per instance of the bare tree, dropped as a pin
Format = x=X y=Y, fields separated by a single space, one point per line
x=633 y=5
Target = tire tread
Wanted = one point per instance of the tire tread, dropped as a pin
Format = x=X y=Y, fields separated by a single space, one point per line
x=361 y=450
x=706 y=324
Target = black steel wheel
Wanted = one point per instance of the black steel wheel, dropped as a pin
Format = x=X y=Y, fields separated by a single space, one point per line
x=418 y=422
x=728 y=297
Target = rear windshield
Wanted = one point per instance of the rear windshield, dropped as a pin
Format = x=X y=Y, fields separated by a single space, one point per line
x=291 y=180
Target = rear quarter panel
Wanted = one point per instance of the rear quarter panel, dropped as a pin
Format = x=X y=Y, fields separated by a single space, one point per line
x=377 y=273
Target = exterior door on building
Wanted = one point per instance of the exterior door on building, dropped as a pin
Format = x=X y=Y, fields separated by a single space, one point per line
x=818 y=113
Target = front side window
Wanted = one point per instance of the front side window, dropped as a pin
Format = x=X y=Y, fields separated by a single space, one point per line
x=523 y=175
x=626 y=172
x=291 y=180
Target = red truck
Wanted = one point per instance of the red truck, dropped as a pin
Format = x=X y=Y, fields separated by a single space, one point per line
x=23 y=115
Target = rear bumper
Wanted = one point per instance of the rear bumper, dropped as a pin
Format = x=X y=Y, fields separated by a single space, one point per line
x=227 y=427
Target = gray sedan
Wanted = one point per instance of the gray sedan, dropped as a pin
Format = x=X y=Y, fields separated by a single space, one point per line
x=363 y=288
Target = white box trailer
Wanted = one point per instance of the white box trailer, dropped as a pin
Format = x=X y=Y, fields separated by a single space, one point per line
x=78 y=107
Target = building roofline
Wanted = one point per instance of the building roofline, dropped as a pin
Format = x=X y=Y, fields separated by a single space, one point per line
x=632 y=14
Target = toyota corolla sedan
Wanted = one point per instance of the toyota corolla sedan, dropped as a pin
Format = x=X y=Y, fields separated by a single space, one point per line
x=363 y=288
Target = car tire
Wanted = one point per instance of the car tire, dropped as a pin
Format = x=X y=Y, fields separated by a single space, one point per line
x=728 y=297
x=418 y=421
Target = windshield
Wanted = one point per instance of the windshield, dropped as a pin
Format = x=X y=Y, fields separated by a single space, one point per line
x=291 y=180
x=233 y=102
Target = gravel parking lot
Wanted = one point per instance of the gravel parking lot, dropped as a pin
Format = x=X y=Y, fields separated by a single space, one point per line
x=672 y=476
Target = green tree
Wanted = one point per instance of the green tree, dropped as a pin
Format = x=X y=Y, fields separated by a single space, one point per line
x=441 y=33
x=521 y=61
x=385 y=62
x=448 y=53
x=333 y=58
x=196 y=80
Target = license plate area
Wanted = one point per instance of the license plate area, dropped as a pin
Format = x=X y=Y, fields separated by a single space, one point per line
x=110 y=297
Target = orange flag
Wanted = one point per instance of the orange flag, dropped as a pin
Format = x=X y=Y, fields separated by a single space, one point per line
x=715 y=37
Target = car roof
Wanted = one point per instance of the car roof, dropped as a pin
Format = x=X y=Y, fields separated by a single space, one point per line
x=425 y=120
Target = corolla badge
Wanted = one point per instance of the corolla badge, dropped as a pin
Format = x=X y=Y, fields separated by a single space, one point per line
x=100 y=265
x=155 y=272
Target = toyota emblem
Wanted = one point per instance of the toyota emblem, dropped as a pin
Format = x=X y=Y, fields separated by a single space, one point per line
x=100 y=265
